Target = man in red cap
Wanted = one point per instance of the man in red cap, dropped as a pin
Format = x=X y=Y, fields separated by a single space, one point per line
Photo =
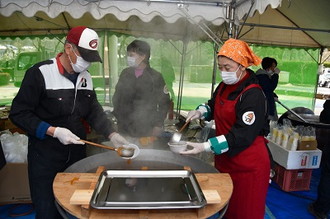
x=55 y=97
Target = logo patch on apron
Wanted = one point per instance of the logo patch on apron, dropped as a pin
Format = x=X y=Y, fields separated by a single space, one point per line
x=248 y=117
x=165 y=90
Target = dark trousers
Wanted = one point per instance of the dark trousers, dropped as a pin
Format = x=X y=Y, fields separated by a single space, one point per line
x=322 y=203
x=45 y=160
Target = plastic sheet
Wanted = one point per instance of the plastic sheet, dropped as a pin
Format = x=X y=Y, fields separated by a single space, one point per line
x=14 y=147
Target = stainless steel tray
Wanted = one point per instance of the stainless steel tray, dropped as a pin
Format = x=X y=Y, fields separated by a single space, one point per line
x=147 y=189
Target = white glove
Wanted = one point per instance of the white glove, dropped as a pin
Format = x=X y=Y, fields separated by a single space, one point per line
x=131 y=146
x=118 y=140
x=194 y=114
x=197 y=148
x=65 y=136
x=276 y=70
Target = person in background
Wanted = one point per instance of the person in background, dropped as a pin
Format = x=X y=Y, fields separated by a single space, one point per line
x=141 y=99
x=325 y=114
x=268 y=78
x=55 y=99
x=321 y=207
x=238 y=107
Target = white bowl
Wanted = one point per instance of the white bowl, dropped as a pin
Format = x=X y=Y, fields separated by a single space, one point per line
x=178 y=146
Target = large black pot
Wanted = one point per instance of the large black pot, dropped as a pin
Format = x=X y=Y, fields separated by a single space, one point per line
x=311 y=120
x=298 y=110
x=150 y=158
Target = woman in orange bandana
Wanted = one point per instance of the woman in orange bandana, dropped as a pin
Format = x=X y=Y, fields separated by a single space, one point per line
x=238 y=107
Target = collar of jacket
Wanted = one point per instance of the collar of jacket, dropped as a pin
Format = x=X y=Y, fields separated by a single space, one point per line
x=59 y=64
x=251 y=79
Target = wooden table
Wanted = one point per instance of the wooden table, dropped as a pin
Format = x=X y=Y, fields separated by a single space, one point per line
x=65 y=185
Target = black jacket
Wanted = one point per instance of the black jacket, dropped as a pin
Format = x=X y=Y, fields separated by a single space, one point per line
x=47 y=98
x=140 y=104
x=325 y=114
x=268 y=85
x=241 y=135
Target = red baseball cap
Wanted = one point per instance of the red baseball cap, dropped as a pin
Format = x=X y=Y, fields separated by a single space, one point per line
x=86 y=41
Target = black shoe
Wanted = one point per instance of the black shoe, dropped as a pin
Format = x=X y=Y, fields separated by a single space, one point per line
x=315 y=213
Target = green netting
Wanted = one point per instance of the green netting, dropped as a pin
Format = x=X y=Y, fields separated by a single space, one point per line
x=298 y=77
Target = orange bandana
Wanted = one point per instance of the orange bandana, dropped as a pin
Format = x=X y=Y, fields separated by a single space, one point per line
x=240 y=52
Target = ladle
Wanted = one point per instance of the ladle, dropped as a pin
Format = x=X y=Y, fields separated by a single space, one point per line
x=293 y=112
x=176 y=137
x=126 y=153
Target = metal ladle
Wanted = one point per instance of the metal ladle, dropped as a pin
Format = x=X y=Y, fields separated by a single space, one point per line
x=176 y=137
x=293 y=112
x=124 y=152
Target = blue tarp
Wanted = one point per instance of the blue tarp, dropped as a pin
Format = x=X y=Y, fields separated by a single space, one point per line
x=279 y=205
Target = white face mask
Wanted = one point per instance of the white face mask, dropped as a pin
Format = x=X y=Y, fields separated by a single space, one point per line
x=131 y=61
x=80 y=65
x=269 y=71
x=230 y=77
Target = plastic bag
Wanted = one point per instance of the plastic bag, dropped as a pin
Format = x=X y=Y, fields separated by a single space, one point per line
x=14 y=147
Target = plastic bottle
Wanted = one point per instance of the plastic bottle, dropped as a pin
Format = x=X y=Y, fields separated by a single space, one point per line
x=294 y=145
x=285 y=140
x=279 y=137
x=274 y=134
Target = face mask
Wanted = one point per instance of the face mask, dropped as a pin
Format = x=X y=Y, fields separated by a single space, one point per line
x=131 y=61
x=230 y=77
x=80 y=65
x=270 y=72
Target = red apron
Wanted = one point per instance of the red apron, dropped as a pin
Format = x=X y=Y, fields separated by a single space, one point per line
x=249 y=169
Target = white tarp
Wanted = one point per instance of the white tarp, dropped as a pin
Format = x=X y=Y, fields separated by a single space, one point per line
x=302 y=23
x=208 y=10
x=169 y=19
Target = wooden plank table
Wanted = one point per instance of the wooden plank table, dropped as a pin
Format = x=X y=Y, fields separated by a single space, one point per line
x=65 y=185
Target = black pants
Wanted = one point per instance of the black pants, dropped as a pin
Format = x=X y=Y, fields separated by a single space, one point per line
x=322 y=203
x=45 y=159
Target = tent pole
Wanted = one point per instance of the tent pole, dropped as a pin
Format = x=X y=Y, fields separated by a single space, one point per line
x=230 y=14
x=214 y=73
x=203 y=27
x=112 y=63
x=317 y=77
x=103 y=37
x=246 y=17
x=180 y=91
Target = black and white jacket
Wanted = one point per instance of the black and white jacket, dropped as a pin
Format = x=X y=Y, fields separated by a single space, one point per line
x=48 y=98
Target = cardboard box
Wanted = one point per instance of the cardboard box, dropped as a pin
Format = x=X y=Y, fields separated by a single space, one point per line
x=307 y=145
x=14 y=184
x=307 y=159
x=6 y=124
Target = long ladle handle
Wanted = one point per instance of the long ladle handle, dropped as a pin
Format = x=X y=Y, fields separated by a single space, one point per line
x=98 y=145
x=184 y=126
x=293 y=112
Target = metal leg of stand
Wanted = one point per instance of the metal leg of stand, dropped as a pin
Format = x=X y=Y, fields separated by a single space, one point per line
x=223 y=211
x=63 y=213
